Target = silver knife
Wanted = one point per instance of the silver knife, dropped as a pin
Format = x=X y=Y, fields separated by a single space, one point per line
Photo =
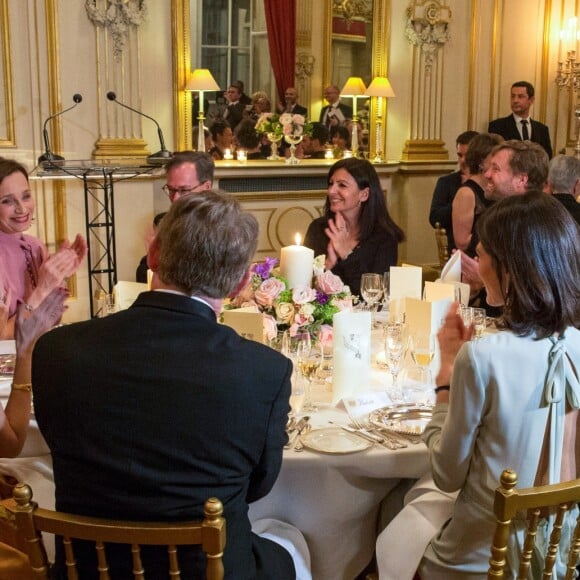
x=364 y=434
x=298 y=429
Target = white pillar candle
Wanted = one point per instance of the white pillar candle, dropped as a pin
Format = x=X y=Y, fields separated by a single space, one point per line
x=296 y=264
x=228 y=154
x=242 y=156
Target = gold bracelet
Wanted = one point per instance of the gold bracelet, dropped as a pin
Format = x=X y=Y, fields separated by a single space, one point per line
x=22 y=387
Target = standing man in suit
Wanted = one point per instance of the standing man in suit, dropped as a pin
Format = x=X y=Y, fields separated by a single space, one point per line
x=150 y=411
x=335 y=113
x=235 y=108
x=290 y=105
x=519 y=125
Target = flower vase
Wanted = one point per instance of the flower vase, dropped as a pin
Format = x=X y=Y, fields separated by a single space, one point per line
x=274 y=140
x=293 y=140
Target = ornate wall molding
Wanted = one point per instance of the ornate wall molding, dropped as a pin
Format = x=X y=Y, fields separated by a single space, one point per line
x=6 y=103
x=118 y=16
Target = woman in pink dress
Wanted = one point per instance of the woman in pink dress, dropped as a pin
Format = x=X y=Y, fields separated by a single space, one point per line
x=29 y=274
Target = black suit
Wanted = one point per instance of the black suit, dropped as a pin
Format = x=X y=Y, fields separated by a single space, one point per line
x=345 y=110
x=442 y=203
x=297 y=110
x=151 y=411
x=234 y=114
x=508 y=129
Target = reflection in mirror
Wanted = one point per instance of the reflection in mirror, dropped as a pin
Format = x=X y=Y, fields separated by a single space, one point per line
x=352 y=40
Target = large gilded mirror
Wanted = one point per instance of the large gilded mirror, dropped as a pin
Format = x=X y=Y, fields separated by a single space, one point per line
x=365 y=46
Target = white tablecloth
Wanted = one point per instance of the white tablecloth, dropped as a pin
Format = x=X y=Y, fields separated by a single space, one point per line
x=334 y=500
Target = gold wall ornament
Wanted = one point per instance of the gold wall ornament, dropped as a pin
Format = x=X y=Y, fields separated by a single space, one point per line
x=7 y=138
x=304 y=66
x=118 y=17
x=428 y=27
x=351 y=9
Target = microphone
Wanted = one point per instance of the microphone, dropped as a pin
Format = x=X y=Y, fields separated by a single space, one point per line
x=161 y=156
x=48 y=154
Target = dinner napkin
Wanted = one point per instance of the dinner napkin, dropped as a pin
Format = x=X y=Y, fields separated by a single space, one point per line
x=351 y=369
x=451 y=272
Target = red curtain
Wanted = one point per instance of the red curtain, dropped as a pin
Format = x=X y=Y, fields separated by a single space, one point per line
x=281 y=24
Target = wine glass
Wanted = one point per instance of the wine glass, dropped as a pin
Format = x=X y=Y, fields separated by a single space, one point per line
x=308 y=358
x=422 y=346
x=417 y=385
x=479 y=322
x=371 y=289
x=297 y=396
x=386 y=289
x=396 y=343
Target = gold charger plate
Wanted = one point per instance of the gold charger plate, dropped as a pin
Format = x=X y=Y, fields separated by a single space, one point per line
x=405 y=419
x=335 y=441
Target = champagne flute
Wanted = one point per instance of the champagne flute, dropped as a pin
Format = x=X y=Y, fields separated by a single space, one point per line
x=396 y=343
x=386 y=289
x=479 y=322
x=308 y=358
x=371 y=289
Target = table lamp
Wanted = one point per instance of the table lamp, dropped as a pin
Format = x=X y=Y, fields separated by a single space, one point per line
x=380 y=87
x=354 y=88
x=201 y=80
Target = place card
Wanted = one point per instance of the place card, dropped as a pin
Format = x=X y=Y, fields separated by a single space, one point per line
x=405 y=282
x=246 y=322
x=439 y=291
x=351 y=368
x=362 y=405
x=423 y=316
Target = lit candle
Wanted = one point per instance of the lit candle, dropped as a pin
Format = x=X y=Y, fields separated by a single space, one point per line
x=347 y=154
x=329 y=154
x=228 y=154
x=242 y=156
x=296 y=264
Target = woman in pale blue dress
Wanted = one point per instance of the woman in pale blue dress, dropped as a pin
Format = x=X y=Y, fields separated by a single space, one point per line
x=514 y=395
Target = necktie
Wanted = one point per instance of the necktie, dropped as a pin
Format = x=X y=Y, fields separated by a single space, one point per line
x=525 y=134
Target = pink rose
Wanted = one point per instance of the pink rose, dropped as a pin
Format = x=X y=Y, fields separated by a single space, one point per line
x=269 y=291
x=303 y=294
x=270 y=328
x=298 y=119
x=285 y=312
x=325 y=335
x=343 y=303
x=329 y=283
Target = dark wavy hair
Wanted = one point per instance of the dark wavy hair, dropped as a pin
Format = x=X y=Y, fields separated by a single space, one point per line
x=9 y=166
x=374 y=213
x=533 y=239
x=478 y=149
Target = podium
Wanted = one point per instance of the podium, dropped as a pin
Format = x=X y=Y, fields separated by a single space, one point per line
x=99 y=178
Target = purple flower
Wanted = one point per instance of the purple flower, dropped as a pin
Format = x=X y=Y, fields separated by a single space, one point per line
x=321 y=297
x=263 y=270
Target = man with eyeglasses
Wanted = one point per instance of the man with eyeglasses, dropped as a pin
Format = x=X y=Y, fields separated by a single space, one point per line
x=188 y=172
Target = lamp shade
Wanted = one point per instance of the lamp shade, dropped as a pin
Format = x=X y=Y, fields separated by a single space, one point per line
x=380 y=87
x=354 y=87
x=201 y=80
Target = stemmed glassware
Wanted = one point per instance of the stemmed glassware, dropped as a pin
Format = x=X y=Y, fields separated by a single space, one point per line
x=386 y=290
x=371 y=289
x=479 y=322
x=396 y=343
x=422 y=346
x=309 y=357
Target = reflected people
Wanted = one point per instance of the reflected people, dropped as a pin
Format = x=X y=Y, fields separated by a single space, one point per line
x=356 y=232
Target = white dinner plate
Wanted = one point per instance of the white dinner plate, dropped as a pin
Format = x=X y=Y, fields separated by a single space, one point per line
x=334 y=440
x=405 y=419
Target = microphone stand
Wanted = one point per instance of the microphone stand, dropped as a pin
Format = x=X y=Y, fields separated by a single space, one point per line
x=162 y=156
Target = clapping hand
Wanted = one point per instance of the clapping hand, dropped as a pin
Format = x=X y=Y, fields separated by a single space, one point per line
x=451 y=336
x=341 y=242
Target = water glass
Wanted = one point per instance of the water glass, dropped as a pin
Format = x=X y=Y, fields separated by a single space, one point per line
x=371 y=289
x=417 y=385
x=308 y=360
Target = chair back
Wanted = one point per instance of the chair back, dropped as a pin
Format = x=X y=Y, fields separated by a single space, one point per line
x=442 y=244
x=31 y=520
x=558 y=498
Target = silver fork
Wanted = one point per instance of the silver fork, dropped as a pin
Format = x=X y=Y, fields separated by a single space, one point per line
x=389 y=442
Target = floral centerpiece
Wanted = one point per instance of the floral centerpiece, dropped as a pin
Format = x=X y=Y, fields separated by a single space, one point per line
x=300 y=309
x=282 y=125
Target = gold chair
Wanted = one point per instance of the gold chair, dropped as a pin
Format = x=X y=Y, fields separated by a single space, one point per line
x=31 y=520
x=442 y=244
x=561 y=497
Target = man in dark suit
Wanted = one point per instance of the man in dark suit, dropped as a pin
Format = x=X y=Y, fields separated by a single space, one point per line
x=235 y=108
x=446 y=188
x=290 y=105
x=335 y=113
x=152 y=410
x=519 y=125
